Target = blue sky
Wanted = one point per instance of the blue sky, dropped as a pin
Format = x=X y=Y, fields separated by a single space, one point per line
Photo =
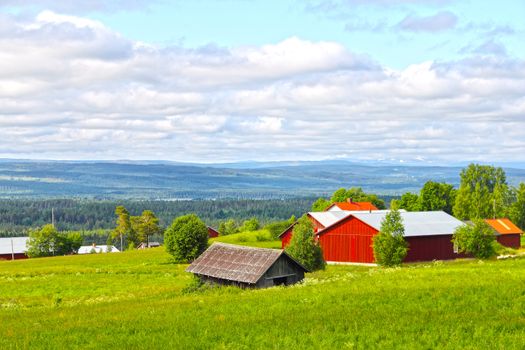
x=432 y=81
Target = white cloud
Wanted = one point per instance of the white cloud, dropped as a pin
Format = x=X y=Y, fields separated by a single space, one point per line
x=73 y=88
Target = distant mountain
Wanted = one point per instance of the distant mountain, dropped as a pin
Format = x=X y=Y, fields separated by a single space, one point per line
x=179 y=181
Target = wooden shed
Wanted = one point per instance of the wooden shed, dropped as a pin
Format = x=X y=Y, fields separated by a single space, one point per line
x=13 y=248
x=351 y=205
x=212 y=233
x=246 y=267
x=507 y=234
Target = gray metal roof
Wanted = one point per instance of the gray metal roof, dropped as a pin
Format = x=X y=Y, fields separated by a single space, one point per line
x=19 y=245
x=328 y=218
x=234 y=262
x=417 y=223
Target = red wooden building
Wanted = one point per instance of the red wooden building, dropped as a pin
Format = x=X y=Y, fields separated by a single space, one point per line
x=349 y=239
x=507 y=233
x=351 y=205
x=13 y=248
x=212 y=233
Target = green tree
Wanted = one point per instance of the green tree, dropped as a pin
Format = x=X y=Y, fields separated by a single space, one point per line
x=186 y=238
x=303 y=246
x=389 y=245
x=47 y=241
x=436 y=196
x=228 y=227
x=124 y=228
x=146 y=226
x=250 y=225
x=356 y=194
x=477 y=239
x=408 y=201
x=483 y=193
x=321 y=204
x=517 y=209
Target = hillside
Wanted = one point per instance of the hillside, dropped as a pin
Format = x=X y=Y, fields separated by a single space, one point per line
x=138 y=300
x=172 y=181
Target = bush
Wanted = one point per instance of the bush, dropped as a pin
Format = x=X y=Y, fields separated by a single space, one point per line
x=477 y=239
x=186 y=238
x=303 y=246
x=250 y=225
x=390 y=247
x=47 y=241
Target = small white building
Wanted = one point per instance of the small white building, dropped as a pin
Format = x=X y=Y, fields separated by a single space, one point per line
x=95 y=249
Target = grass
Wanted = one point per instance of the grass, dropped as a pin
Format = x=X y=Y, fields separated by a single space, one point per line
x=136 y=300
x=260 y=238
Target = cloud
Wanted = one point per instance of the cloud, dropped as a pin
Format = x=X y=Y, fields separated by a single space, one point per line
x=72 y=88
x=441 y=21
x=79 y=7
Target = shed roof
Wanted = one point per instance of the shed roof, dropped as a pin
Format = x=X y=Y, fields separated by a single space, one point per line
x=236 y=263
x=416 y=223
x=503 y=226
x=87 y=249
x=19 y=245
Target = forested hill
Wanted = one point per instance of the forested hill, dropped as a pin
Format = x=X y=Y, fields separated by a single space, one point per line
x=168 y=181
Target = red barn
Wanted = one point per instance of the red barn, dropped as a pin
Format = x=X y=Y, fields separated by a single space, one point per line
x=13 y=248
x=507 y=234
x=212 y=233
x=429 y=235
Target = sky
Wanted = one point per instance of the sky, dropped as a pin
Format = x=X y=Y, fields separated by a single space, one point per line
x=427 y=81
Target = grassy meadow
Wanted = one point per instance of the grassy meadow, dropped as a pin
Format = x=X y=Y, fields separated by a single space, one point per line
x=140 y=299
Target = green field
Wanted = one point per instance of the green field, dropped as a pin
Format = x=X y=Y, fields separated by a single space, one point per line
x=137 y=300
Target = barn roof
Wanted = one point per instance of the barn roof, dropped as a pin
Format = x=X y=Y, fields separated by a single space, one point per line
x=87 y=249
x=328 y=218
x=503 y=226
x=236 y=263
x=352 y=206
x=19 y=245
x=416 y=223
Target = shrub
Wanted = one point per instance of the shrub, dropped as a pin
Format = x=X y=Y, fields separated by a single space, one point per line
x=304 y=248
x=186 y=238
x=476 y=239
x=390 y=247
x=47 y=241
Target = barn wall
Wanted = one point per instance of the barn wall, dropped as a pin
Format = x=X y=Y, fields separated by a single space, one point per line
x=286 y=237
x=317 y=225
x=428 y=248
x=509 y=240
x=284 y=266
x=9 y=257
x=349 y=241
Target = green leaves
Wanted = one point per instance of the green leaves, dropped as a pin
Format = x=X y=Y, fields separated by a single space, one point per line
x=303 y=246
x=390 y=247
x=47 y=241
x=477 y=239
x=186 y=238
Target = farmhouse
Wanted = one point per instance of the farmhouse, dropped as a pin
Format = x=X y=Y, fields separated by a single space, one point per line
x=145 y=245
x=350 y=205
x=246 y=266
x=349 y=239
x=91 y=249
x=12 y=248
x=506 y=232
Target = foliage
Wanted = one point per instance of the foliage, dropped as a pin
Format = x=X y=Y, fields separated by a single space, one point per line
x=135 y=300
x=186 y=238
x=408 y=201
x=437 y=196
x=517 y=209
x=389 y=245
x=124 y=228
x=483 y=193
x=304 y=248
x=251 y=224
x=228 y=227
x=477 y=239
x=356 y=194
x=276 y=228
x=47 y=241
x=321 y=204
x=146 y=225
